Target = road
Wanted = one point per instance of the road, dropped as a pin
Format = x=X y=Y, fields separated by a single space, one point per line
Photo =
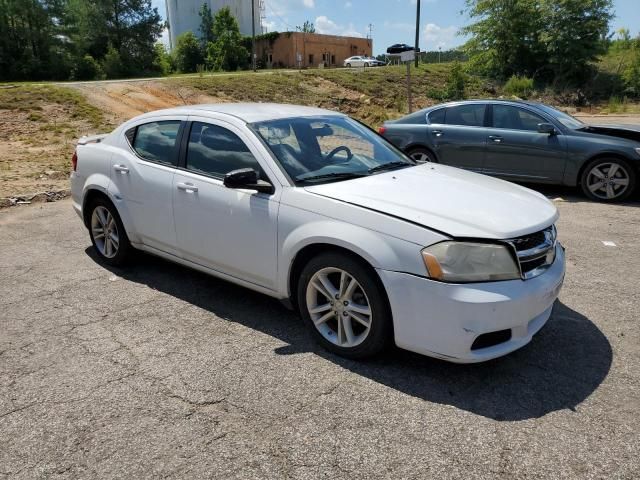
x=159 y=371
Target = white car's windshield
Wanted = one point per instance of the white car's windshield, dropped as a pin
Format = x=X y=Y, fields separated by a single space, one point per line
x=315 y=149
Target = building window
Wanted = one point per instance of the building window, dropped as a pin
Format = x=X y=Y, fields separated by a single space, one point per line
x=270 y=58
x=333 y=59
x=311 y=59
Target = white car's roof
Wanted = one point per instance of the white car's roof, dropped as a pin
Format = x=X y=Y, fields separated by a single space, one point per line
x=249 y=112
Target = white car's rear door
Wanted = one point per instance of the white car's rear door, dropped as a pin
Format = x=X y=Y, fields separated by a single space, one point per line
x=142 y=175
x=232 y=231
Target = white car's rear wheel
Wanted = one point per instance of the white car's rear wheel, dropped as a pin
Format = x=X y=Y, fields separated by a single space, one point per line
x=107 y=233
x=344 y=305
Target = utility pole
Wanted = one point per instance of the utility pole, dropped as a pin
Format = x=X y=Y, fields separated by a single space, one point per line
x=417 y=30
x=253 y=34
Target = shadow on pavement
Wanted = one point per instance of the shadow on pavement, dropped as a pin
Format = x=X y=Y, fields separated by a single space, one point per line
x=574 y=195
x=558 y=370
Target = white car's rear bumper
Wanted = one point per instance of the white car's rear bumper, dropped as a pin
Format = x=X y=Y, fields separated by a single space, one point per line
x=443 y=320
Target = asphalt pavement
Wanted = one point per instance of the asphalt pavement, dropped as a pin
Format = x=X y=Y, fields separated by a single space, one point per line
x=160 y=371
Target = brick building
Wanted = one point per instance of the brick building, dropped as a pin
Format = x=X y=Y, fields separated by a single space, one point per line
x=313 y=49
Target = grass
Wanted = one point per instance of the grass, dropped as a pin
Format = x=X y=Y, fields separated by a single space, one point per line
x=373 y=95
x=31 y=99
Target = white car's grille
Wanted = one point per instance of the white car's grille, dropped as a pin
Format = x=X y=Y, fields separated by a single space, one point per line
x=535 y=252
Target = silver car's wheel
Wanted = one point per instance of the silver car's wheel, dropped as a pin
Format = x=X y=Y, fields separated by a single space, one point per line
x=104 y=230
x=339 y=307
x=421 y=155
x=608 y=180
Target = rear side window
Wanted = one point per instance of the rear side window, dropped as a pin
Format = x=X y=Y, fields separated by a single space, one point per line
x=437 y=116
x=514 y=118
x=470 y=115
x=216 y=151
x=156 y=141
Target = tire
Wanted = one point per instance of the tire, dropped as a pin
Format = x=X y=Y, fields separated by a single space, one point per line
x=597 y=183
x=342 y=325
x=114 y=248
x=421 y=155
x=348 y=65
x=366 y=64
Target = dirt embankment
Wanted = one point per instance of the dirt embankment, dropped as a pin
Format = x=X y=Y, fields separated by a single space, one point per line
x=40 y=125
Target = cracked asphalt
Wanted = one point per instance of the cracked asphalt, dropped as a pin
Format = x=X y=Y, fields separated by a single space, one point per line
x=160 y=371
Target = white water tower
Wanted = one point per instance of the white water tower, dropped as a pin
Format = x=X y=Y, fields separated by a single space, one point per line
x=182 y=15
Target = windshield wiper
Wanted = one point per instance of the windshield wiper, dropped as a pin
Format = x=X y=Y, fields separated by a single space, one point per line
x=336 y=175
x=389 y=166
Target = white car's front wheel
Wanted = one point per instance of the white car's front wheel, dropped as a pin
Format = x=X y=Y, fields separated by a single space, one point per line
x=344 y=304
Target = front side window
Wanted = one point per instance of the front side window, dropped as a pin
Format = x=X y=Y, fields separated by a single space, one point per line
x=328 y=148
x=156 y=141
x=216 y=151
x=514 y=118
x=470 y=115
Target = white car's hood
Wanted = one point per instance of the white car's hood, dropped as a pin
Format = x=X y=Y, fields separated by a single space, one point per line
x=449 y=200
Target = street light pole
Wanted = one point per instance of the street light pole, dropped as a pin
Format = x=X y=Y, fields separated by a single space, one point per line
x=417 y=30
x=253 y=34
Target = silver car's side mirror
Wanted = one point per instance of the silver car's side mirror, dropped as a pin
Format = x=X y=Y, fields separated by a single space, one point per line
x=546 y=128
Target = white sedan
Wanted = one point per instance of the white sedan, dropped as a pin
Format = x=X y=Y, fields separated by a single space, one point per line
x=360 y=61
x=311 y=207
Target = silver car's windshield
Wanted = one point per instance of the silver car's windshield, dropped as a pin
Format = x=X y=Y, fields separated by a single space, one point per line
x=328 y=148
x=563 y=117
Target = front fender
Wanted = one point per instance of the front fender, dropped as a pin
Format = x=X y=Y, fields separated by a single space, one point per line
x=379 y=250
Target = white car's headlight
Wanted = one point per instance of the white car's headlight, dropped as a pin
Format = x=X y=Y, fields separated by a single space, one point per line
x=464 y=262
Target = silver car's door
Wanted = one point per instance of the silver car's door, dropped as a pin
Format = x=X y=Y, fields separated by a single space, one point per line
x=458 y=135
x=142 y=176
x=232 y=231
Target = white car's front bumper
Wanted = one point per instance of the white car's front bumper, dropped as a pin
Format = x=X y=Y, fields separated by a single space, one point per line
x=443 y=320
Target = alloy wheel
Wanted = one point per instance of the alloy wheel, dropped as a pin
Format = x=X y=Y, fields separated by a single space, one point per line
x=420 y=157
x=104 y=230
x=339 y=307
x=608 y=180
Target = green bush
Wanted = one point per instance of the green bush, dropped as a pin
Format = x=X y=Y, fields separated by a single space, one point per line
x=455 y=85
x=617 y=105
x=112 y=64
x=631 y=76
x=519 y=86
x=87 y=68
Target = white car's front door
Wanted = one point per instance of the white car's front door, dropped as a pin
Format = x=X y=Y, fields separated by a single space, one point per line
x=232 y=231
x=142 y=176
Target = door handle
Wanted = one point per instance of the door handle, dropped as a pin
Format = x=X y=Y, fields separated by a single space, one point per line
x=437 y=133
x=187 y=187
x=121 y=169
x=495 y=138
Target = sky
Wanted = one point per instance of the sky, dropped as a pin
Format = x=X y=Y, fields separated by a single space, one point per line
x=393 y=21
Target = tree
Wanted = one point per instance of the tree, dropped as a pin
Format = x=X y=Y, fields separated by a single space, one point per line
x=308 y=27
x=505 y=37
x=187 y=53
x=29 y=45
x=572 y=35
x=227 y=52
x=206 y=25
x=130 y=27
x=162 y=62
x=544 y=39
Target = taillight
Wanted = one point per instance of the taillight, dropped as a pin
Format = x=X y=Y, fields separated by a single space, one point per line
x=382 y=129
x=74 y=161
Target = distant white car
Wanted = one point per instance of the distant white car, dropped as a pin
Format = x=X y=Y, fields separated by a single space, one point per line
x=311 y=207
x=361 y=61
